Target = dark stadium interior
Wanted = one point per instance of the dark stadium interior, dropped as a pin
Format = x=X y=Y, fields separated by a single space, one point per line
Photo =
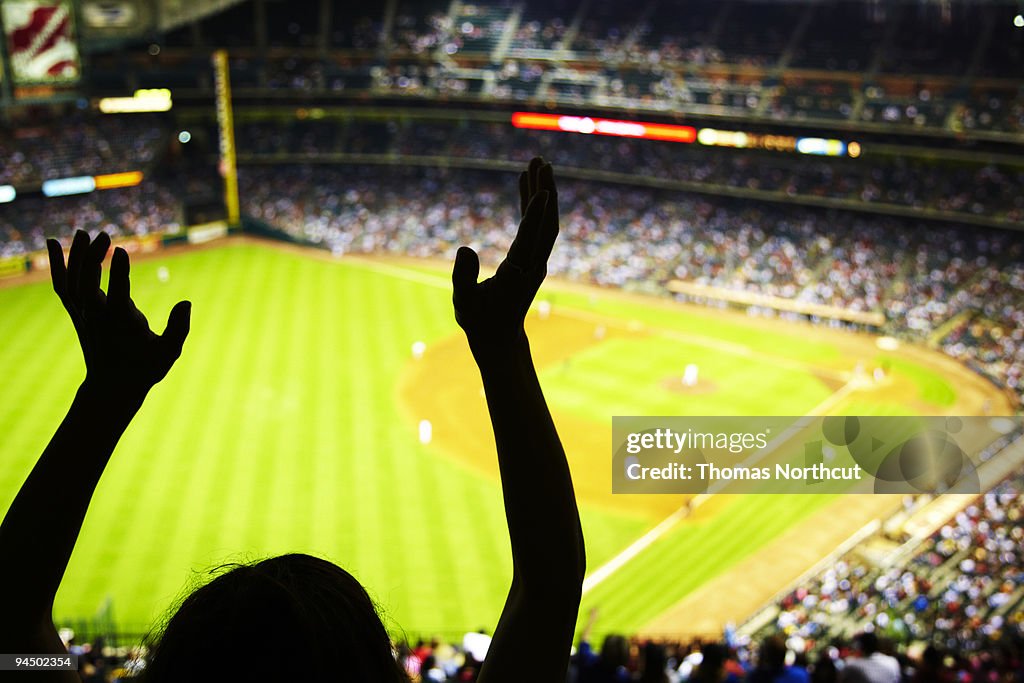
x=859 y=156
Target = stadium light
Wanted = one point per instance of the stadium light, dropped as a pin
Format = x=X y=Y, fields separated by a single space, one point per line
x=7 y=193
x=588 y=125
x=1018 y=21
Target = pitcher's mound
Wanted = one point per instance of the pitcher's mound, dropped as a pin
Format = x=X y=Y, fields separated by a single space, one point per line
x=675 y=384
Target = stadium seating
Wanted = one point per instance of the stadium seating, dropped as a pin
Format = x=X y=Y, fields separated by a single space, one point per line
x=148 y=209
x=974 y=190
x=833 y=61
x=962 y=588
x=78 y=145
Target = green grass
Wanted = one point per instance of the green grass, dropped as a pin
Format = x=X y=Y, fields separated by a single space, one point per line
x=692 y=554
x=933 y=388
x=278 y=431
x=595 y=384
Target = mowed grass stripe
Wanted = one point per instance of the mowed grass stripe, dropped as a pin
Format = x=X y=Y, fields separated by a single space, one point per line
x=370 y=540
x=318 y=348
x=385 y=438
x=109 y=541
x=227 y=345
x=424 y=314
x=33 y=315
x=220 y=489
x=411 y=513
x=331 y=426
x=287 y=363
x=197 y=396
x=39 y=335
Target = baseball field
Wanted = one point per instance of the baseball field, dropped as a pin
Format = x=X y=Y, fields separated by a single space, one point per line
x=299 y=419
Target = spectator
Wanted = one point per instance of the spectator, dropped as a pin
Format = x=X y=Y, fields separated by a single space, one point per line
x=872 y=666
x=772 y=667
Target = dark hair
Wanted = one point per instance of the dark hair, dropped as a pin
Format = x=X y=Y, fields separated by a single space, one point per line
x=655 y=661
x=614 y=652
x=712 y=663
x=773 y=653
x=771 y=660
x=932 y=657
x=868 y=642
x=292 y=617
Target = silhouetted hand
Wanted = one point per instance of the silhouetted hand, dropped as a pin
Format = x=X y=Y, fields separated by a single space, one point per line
x=492 y=312
x=121 y=352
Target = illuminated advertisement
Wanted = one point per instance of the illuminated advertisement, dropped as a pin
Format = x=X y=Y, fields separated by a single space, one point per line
x=41 y=46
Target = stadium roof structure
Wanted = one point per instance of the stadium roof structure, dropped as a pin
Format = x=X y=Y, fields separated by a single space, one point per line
x=175 y=13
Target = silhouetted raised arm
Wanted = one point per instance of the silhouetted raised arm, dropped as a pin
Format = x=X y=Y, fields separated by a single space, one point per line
x=534 y=635
x=123 y=360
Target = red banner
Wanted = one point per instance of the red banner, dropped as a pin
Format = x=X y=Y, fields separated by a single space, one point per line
x=41 y=45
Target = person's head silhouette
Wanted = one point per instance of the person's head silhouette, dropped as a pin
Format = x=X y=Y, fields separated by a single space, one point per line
x=293 y=617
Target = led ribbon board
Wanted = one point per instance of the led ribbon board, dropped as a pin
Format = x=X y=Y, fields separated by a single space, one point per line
x=829 y=147
x=597 y=126
x=61 y=187
x=591 y=125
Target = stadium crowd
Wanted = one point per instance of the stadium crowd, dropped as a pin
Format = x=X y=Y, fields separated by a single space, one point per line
x=656 y=88
x=867 y=64
x=734 y=659
x=110 y=144
x=148 y=209
x=987 y=190
x=961 y=591
x=993 y=335
x=77 y=145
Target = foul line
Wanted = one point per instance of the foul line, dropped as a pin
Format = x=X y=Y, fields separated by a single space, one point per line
x=395 y=271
